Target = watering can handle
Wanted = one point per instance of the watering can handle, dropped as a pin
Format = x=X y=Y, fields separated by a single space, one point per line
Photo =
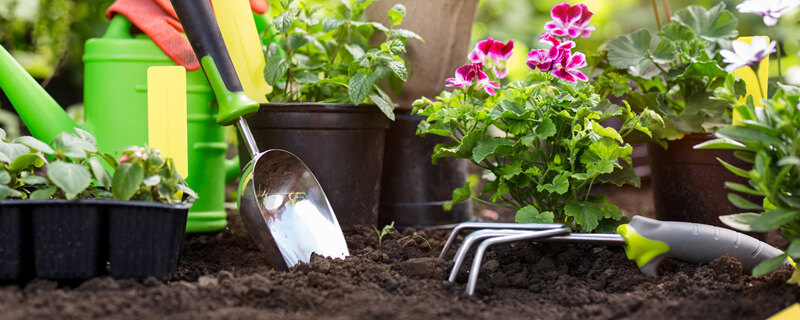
x=205 y=37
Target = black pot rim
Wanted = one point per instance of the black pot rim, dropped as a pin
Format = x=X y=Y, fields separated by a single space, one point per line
x=319 y=107
x=103 y=202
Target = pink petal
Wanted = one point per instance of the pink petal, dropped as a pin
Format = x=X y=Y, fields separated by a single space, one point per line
x=500 y=73
x=500 y=51
x=474 y=56
x=586 y=15
x=560 y=12
x=485 y=45
x=574 y=13
x=562 y=74
x=578 y=75
x=577 y=60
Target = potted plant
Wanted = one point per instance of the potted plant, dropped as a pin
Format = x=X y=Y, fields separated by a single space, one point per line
x=412 y=188
x=551 y=148
x=766 y=139
x=674 y=73
x=77 y=210
x=326 y=105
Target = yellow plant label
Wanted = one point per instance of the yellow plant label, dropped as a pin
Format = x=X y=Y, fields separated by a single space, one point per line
x=751 y=81
x=166 y=114
x=790 y=313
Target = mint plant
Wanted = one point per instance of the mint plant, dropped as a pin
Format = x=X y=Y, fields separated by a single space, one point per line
x=320 y=54
x=673 y=72
x=551 y=147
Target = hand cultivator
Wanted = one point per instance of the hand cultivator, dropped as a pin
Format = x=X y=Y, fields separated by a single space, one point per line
x=646 y=241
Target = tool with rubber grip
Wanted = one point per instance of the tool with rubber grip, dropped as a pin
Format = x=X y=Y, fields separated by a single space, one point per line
x=205 y=37
x=649 y=241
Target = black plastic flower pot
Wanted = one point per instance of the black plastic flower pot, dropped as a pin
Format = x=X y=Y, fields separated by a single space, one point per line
x=342 y=144
x=14 y=241
x=69 y=239
x=689 y=184
x=145 y=238
x=413 y=189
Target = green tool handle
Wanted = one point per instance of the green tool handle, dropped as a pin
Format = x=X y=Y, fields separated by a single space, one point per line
x=205 y=37
x=649 y=241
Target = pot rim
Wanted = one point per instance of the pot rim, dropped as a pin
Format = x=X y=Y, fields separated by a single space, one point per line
x=102 y=202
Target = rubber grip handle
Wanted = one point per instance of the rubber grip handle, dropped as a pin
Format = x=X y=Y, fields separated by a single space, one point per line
x=204 y=35
x=691 y=242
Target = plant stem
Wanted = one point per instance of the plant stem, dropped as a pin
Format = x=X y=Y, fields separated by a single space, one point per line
x=490 y=203
x=655 y=13
x=760 y=87
x=667 y=11
x=778 y=53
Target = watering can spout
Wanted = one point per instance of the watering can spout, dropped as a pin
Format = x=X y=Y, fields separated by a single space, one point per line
x=44 y=118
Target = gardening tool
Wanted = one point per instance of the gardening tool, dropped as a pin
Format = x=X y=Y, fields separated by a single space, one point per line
x=115 y=108
x=646 y=241
x=280 y=202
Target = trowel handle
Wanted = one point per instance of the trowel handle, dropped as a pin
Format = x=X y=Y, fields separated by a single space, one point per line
x=205 y=37
x=649 y=241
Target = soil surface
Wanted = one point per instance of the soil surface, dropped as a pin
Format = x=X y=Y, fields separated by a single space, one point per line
x=222 y=276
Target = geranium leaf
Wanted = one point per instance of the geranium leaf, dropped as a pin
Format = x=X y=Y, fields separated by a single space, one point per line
x=712 y=24
x=629 y=50
x=586 y=214
x=529 y=214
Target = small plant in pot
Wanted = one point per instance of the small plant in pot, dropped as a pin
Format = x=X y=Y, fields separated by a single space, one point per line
x=78 y=211
x=550 y=148
x=675 y=73
x=327 y=106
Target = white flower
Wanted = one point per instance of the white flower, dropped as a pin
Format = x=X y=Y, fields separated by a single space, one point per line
x=771 y=10
x=744 y=54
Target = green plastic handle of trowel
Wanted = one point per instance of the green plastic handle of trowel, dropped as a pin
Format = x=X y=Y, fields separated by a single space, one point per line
x=650 y=241
x=205 y=37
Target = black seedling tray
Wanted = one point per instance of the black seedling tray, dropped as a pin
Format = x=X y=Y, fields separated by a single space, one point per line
x=78 y=240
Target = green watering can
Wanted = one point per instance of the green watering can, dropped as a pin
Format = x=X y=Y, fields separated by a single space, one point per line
x=115 y=108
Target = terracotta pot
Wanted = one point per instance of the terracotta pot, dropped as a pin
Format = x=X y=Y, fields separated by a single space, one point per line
x=689 y=184
x=342 y=144
x=445 y=25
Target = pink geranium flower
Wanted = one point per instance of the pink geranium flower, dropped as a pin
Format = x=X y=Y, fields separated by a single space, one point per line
x=543 y=58
x=572 y=21
x=566 y=68
x=485 y=84
x=464 y=75
x=539 y=58
x=493 y=53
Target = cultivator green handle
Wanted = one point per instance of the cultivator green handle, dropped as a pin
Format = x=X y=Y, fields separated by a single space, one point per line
x=649 y=241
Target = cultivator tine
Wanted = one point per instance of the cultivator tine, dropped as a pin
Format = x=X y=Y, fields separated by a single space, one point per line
x=521 y=236
x=467 y=244
x=493 y=225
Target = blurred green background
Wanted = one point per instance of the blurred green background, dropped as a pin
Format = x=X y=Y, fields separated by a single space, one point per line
x=47 y=36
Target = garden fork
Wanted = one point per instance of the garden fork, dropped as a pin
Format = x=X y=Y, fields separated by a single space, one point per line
x=646 y=241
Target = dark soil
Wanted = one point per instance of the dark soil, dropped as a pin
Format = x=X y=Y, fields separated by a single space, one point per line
x=222 y=276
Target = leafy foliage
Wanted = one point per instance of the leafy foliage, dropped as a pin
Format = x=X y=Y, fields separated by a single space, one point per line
x=333 y=59
x=678 y=75
x=71 y=167
x=768 y=139
x=550 y=150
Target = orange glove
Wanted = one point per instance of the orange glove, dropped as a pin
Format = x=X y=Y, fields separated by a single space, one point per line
x=158 y=20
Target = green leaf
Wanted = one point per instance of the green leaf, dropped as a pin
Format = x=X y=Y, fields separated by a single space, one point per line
x=677 y=32
x=99 y=172
x=713 y=24
x=460 y=194
x=35 y=144
x=297 y=41
x=25 y=162
x=529 y=214
x=85 y=136
x=2 y=134
x=284 y=20
x=606 y=131
x=306 y=77
x=127 y=179
x=511 y=170
x=740 y=221
x=491 y=146
x=358 y=87
x=774 y=218
x=741 y=188
x=6 y=192
x=586 y=214
x=69 y=177
x=621 y=176
x=403 y=33
x=742 y=203
x=356 y=51
x=329 y=24
x=769 y=265
x=151 y=180
x=396 y=14
x=33 y=179
x=398 y=67
x=4 y=158
x=746 y=134
x=275 y=69
x=13 y=150
x=664 y=52
x=187 y=191
x=43 y=194
x=794 y=249
x=629 y=50
x=5 y=177
x=560 y=184
x=722 y=143
x=386 y=107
